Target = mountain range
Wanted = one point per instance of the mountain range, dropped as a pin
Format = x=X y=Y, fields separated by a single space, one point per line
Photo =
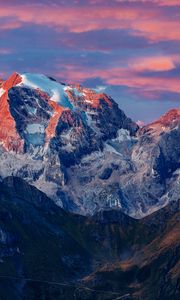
x=89 y=201
x=76 y=145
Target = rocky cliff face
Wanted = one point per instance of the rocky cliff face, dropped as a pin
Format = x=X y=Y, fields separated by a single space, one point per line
x=8 y=134
x=78 y=147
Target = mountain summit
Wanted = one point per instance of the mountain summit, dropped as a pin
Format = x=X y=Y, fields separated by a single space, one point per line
x=34 y=104
x=76 y=145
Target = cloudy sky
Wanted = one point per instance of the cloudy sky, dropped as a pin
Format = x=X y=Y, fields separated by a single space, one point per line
x=128 y=48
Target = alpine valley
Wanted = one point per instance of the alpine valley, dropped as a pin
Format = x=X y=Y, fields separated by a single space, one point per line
x=89 y=201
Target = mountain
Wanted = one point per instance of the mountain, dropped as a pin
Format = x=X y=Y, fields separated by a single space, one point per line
x=77 y=146
x=47 y=253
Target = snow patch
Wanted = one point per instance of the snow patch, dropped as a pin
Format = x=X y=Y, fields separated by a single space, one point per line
x=111 y=149
x=2 y=91
x=100 y=89
x=122 y=144
x=31 y=110
x=140 y=123
x=35 y=134
x=123 y=135
x=54 y=89
x=35 y=128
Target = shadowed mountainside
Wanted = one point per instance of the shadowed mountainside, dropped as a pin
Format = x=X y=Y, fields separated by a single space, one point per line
x=40 y=244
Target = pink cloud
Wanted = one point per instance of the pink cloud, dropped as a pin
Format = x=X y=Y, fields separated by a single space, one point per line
x=146 y=83
x=156 y=63
x=168 y=2
x=10 y=25
x=79 y=19
x=150 y=22
x=157 y=30
x=123 y=76
x=158 y=2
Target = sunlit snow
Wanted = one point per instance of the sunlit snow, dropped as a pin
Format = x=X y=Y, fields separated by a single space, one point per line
x=2 y=91
x=54 y=89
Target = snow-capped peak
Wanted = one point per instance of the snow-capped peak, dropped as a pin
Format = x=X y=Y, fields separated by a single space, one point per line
x=41 y=103
x=54 y=89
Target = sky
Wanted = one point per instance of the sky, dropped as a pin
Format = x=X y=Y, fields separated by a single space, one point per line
x=129 y=49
